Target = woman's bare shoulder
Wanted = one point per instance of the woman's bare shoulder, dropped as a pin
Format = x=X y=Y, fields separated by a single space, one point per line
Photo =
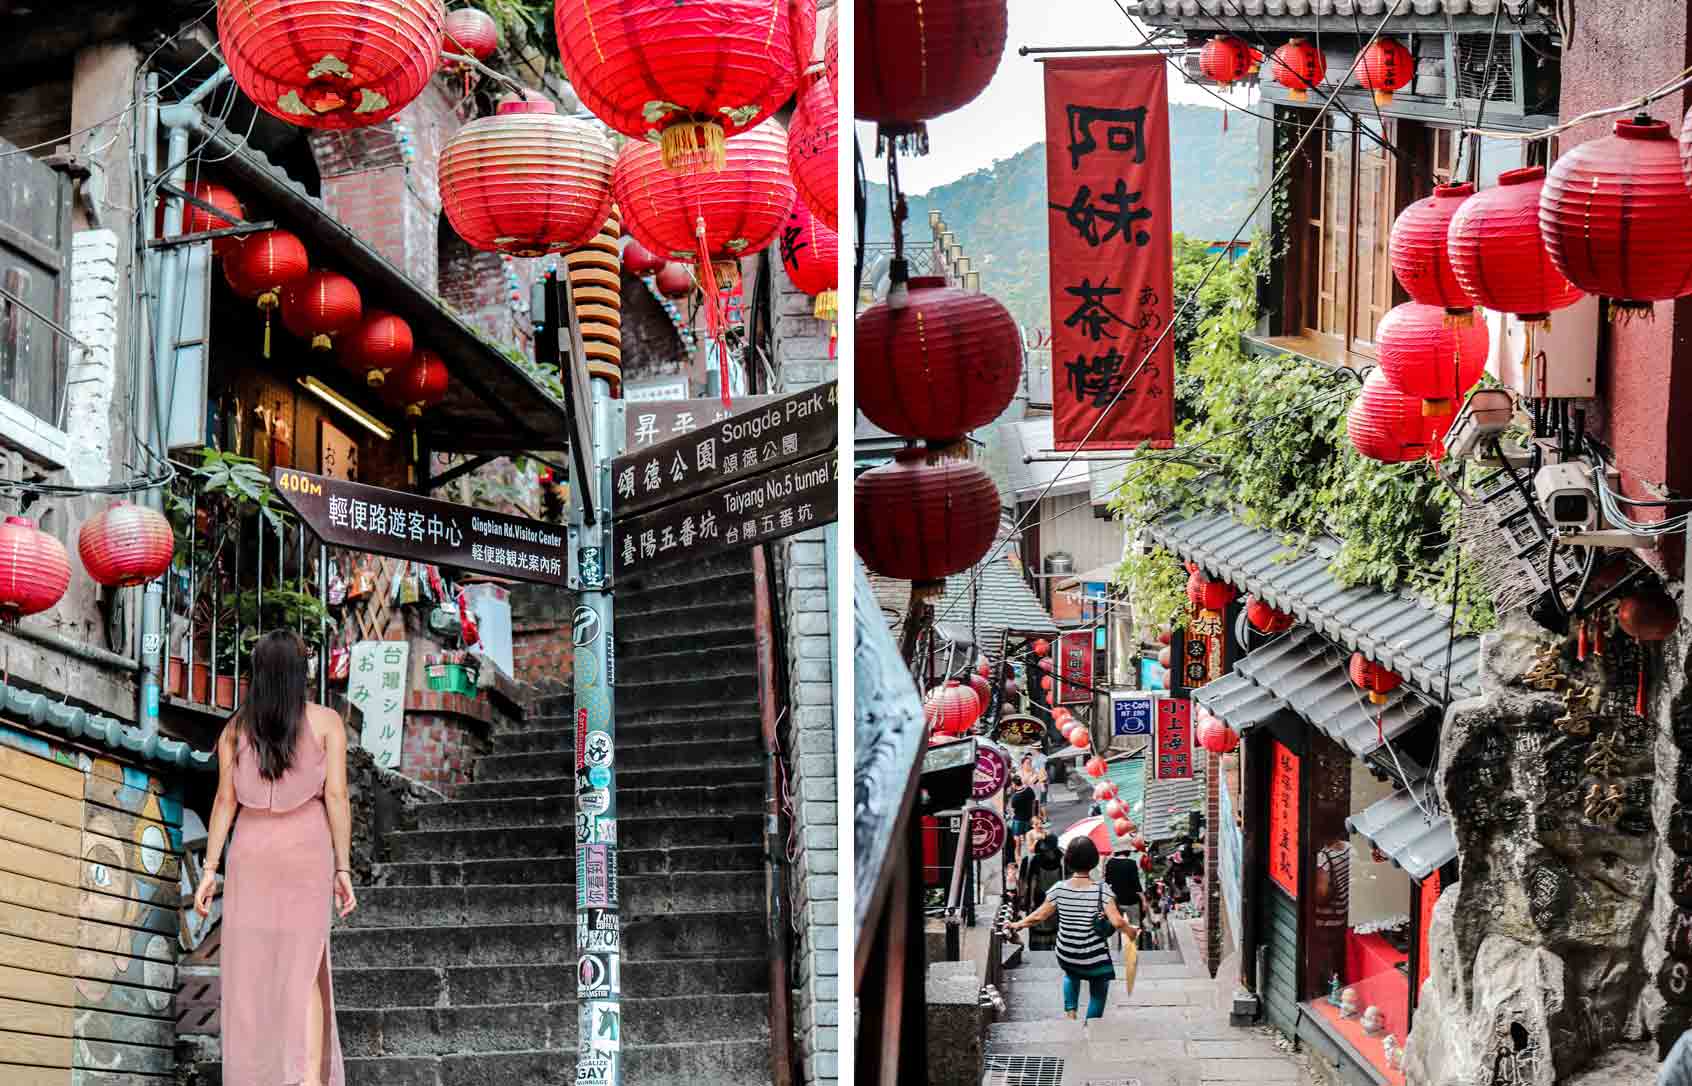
x=323 y=719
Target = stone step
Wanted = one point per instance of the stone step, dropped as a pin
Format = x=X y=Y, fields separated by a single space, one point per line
x=633 y=833
x=645 y=697
x=563 y=739
x=559 y=809
x=702 y=593
x=660 y=938
x=664 y=659
x=684 y=861
x=648 y=641
x=629 y=781
x=690 y=615
x=725 y=1063
x=677 y=754
x=731 y=565
x=663 y=720
x=534 y=903
x=477 y=985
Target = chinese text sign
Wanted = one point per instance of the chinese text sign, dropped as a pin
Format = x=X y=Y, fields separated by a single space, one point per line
x=1174 y=740
x=1283 y=819
x=1075 y=668
x=1201 y=649
x=376 y=685
x=1109 y=229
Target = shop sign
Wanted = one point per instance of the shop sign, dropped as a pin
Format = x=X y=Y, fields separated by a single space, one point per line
x=667 y=388
x=992 y=770
x=1075 y=668
x=1132 y=713
x=1021 y=731
x=986 y=833
x=649 y=423
x=1174 y=740
x=1283 y=818
x=419 y=529
x=1201 y=648
x=376 y=684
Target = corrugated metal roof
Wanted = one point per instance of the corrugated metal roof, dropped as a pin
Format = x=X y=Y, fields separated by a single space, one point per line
x=1129 y=776
x=1308 y=675
x=1103 y=477
x=1033 y=437
x=1298 y=9
x=1238 y=702
x=1402 y=632
x=1402 y=827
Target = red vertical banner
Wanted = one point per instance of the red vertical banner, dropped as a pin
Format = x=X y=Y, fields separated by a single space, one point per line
x=1429 y=890
x=1075 y=668
x=1112 y=250
x=1174 y=740
x=1283 y=819
x=1202 y=647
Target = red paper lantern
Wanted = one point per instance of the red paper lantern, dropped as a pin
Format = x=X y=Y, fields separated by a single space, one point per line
x=1079 y=739
x=320 y=306
x=983 y=689
x=1122 y=828
x=944 y=363
x=923 y=522
x=1104 y=791
x=1386 y=425
x=831 y=47
x=1417 y=250
x=1373 y=678
x=1046 y=684
x=810 y=254
x=1387 y=67
x=1138 y=844
x=34 y=569
x=331 y=63
x=1266 y=619
x=1116 y=809
x=1041 y=645
x=983 y=667
x=1225 y=59
x=918 y=59
x=1429 y=358
x=470 y=32
x=673 y=280
x=1063 y=718
x=1096 y=766
x=125 y=545
x=1647 y=616
x=1145 y=861
x=1498 y=254
x=1613 y=213
x=379 y=345
x=1217 y=738
x=419 y=385
x=685 y=76
x=951 y=708
x=1216 y=595
x=262 y=267
x=1299 y=66
x=1164 y=658
x=197 y=220
x=813 y=146
x=639 y=261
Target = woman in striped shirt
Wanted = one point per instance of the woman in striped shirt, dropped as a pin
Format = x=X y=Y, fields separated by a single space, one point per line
x=1082 y=952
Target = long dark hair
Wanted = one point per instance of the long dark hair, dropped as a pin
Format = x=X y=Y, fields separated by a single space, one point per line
x=275 y=708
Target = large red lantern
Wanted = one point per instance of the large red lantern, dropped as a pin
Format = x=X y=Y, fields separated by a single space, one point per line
x=1386 y=425
x=1216 y=737
x=639 y=261
x=331 y=63
x=1387 y=67
x=470 y=32
x=918 y=59
x=1375 y=679
x=674 y=281
x=1418 y=254
x=685 y=76
x=1096 y=766
x=1298 y=66
x=813 y=146
x=831 y=47
x=922 y=522
x=320 y=306
x=983 y=689
x=125 y=545
x=379 y=345
x=197 y=220
x=262 y=267
x=1428 y=358
x=1225 y=59
x=1265 y=619
x=810 y=254
x=34 y=569
x=1216 y=595
x=1041 y=648
x=419 y=385
x=1614 y=216
x=1497 y=252
x=944 y=363
x=951 y=709
x=1648 y=616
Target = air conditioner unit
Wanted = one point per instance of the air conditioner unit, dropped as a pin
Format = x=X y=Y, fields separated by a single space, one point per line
x=1564 y=363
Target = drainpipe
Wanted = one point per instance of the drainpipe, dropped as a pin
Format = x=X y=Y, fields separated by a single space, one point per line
x=776 y=906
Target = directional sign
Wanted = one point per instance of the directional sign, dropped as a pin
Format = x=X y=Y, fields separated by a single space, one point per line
x=653 y=422
x=739 y=447
x=756 y=510
x=558 y=342
x=418 y=529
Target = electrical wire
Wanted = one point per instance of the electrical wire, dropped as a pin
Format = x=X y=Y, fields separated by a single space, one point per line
x=1632 y=105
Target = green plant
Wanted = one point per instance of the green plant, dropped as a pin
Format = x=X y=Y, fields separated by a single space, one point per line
x=1157 y=588
x=227 y=483
x=292 y=605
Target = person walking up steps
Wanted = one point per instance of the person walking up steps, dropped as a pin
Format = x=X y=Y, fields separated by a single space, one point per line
x=1082 y=950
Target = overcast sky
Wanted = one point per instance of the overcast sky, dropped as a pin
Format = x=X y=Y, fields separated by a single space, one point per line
x=1010 y=114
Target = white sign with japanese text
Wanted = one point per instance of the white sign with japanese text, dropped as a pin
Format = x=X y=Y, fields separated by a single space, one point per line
x=376 y=685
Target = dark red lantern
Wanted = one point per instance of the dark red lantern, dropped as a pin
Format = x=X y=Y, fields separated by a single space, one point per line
x=982 y=688
x=674 y=281
x=331 y=63
x=918 y=59
x=831 y=47
x=320 y=306
x=1046 y=684
x=197 y=220
x=1387 y=67
x=922 y=522
x=470 y=32
x=1096 y=766
x=810 y=254
x=1498 y=254
x=1122 y=828
x=813 y=150
x=1613 y=213
x=944 y=363
x=34 y=569
x=639 y=261
x=262 y=267
x=1429 y=358
x=419 y=385
x=1373 y=678
x=686 y=76
x=1386 y=425
x=1042 y=647
x=1216 y=596
x=951 y=708
x=1648 y=616
x=1299 y=67
x=125 y=545
x=1116 y=809
x=379 y=345
x=1104 y=791
x=1225 y=59
x=1265 y=619
x=1418 y=254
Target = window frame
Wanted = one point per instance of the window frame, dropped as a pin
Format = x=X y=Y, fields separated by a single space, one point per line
x=21 y=427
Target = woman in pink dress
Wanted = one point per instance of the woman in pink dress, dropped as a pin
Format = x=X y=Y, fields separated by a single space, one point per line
x=282 y=768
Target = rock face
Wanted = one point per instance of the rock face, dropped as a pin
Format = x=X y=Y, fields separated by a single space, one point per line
x=1541 y=952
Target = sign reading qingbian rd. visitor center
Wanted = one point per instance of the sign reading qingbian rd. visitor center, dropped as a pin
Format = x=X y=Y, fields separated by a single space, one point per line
x=419 y=529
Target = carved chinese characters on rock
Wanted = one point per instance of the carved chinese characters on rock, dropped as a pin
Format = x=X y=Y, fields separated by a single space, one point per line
x=1108 y=217
x=1283 y=818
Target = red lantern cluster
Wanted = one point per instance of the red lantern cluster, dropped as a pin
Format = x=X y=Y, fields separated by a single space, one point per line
x=125 y=545
x=918 y=59
x=951 y=709
x=639 y=261
x=379 y=345
x=1417 y=250
x=1387 y=67
x=1299 y=67
x=813 y=145
x=320 y=306
x=1429 y=358
x=1375 y=679
x=1226 y=59
x=1266 y=619
x=674 y=281
x=1498 y=255
x=331 y=63
x=810 y=254
x=1386 y=425
x=419 y=385
x=34 y=569
x=262 y=267
x=831 y=47
x=1207 y=594
x=197 y=220
x=922 y=522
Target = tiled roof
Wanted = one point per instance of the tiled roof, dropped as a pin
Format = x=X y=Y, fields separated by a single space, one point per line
x=39 y=711
x=1238 y=702
x=1308 y=675
x=1405 y=828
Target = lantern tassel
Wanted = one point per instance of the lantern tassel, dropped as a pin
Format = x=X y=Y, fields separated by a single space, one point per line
x=1639 y=695
x=695 y=147
x=1580 y=643
x=716 y=321
x=826 y=306
x=1459 y=318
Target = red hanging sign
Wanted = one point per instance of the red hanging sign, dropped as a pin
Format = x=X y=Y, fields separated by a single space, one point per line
x=1174 y=740
x=1075 y=668
x=1283 y=819
x=1202 y=648
x=1429 y=891
x=1112 y=252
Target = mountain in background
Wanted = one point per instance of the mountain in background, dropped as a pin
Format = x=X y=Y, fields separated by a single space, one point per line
x=999 y=213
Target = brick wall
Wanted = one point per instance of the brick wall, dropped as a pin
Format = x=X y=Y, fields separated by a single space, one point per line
x=439 y=750
x=543 y=656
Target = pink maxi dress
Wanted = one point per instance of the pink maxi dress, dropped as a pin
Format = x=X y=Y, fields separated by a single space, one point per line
x=277 y=902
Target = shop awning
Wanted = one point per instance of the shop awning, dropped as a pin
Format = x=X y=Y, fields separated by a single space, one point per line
x=1406 y=634
x=1256 y=16
x=1308 y=674
x=1403 y=827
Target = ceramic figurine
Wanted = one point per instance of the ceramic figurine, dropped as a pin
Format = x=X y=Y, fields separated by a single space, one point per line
x=1348 y=1003
x=1334 y=990
x=1373 y=1020
x=1389 y=1048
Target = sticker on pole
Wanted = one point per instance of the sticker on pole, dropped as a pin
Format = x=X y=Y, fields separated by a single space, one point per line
x=591 y=566
x=599 y=750
x=607 y=1025
x=593 y=1063
x=586 y=626
x=602 y=933
x=596 y=975
x=597 y=864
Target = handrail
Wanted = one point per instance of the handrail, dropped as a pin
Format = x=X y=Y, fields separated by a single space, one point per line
x=772 y=686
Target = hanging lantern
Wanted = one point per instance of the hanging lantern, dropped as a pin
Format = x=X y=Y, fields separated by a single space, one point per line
x=1122 y=828
x=685 y=78
x=639 y=261
x=1265 y=619
x=1216 y=737
x=1216 y=596
x=813 y=145
x=1387 y=67
x=1079 y=739
x=262 y=267
x=951 y=708
x=1225 y=59
x=469 y=32
x=1042 y=646
x=331 y=63
x=1299 y=66
x=125 y=545
x=320 y=306
x=527 y=181
x=1386 y=425
x=1195 y=588
x=918 y=59
x=1376 y=680
x=674 y=281
x=379 y=345
x=922 y=522
x=1138 y=844
x=419 y=385
x=944 y=363
x=197 y=220
x=831 y=47
x=1046 y=685
x=1104 y=791
x=1116 y=809
x=982 y=688
x=34 y=570
x=1613 y=213
x=1096 y=766
x=1429 y=359
x=1647 y=616
x=1498 y=254
x=1163 y=656
x=1418 y=253
x=810 y=254
x=983 y=667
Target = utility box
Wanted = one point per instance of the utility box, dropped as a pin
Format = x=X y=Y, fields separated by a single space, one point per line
x=1565 y=355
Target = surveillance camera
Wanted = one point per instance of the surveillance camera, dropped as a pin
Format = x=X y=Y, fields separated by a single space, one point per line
x=1567 y=495
x=1487 y=413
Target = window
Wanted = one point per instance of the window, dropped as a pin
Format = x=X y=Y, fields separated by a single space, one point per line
x=1351 y=212
x=34 y=275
